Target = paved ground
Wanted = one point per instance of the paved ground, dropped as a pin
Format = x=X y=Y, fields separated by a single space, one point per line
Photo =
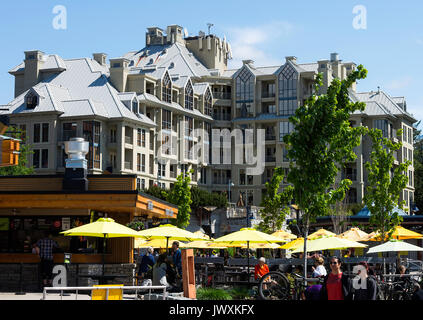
x=39 y=296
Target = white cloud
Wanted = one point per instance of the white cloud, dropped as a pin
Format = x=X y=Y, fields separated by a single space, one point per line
x=399 y=83
x=251 y=42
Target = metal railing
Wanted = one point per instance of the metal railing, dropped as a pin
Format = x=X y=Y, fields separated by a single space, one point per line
x=77 y=289
x=222 y=95
x=128 y=139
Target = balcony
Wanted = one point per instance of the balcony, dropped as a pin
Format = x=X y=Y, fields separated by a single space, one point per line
x=266 y=94
x=173 y=174
x=265 y=179
x=221 y=180
x=128 y=165
x=222 y=117
x=128 y=140
x=222 y=95
x=349 y=175
x=270 y=137
x=270 y=159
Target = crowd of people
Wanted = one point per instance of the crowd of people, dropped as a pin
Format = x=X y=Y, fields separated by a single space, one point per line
x=337 y=285
x=161 y=268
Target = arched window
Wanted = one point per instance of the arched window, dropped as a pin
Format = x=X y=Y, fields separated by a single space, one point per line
x=189 y=96
x=31 y=101
x=208 y=103
x=245 y=91
x=166 y=88
x=287 y=91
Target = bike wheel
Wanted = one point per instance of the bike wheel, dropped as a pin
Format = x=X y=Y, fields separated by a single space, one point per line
x=274 y=286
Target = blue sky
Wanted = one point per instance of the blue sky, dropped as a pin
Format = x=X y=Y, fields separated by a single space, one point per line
x=266 y=31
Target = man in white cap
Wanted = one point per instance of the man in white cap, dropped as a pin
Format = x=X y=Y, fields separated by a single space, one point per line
x=261 y=269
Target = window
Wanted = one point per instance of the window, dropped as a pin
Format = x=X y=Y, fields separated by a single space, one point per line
x=270 y=109
x=69 y=130
x=143 y=138
x=166 y=120
x=242 y=176
x=410 y=155
x=113 y=160
x=410 y=178
x=113 y=132
x=161 y=170
x=41 y=132
x=287 y=82
x=31 y=101
x=22 y=130
x=245 y=92
x=189 y=96
x=40 y=158
x=143 y=162
x=134 y=106
x=189 y=126
x=208 y=105
x=138 y=161
x=91 y=133
x=284 y=129
x=166 y=88
x=139 y=137
x=381 y=125
x=36 y=158
x=406 y=198
x=410 y=136
x=142 y=184
x=404 y=133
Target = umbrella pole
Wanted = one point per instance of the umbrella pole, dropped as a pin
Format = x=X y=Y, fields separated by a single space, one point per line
x=167 y=245
x=104 y=252
x=248 y=259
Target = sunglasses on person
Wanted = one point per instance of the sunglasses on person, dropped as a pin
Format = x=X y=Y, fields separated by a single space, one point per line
x=334 y=262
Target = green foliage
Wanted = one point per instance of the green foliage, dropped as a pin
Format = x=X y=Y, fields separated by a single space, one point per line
x=213 y=294
x=203 y=198
x=157 y=192
x=180 y=195
x=240 y=293
x=383 y=192
x=25 y=151
x=418 y=169
x=275 y=204
x=321 y=141
x=136 y=225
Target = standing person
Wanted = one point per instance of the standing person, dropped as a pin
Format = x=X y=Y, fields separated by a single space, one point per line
x=44 y=248
x=319 y=271
x=261 y=269
x=146 y=263
x=177 y=257
x=336 y=285
x=159 y=271
x=363 y=286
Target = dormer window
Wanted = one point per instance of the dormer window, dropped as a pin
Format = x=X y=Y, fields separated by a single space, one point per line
x=31 y=101
x=208 y=103
x=134 y=106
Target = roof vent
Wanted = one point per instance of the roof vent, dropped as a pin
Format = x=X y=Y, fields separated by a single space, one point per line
x=76 y=165
x=334 y=57
x=172 y=65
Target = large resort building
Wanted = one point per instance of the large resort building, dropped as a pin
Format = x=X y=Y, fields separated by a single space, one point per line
x=140 y=112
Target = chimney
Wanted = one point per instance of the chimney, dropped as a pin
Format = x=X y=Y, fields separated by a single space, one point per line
x=33 y=61
x=76 y=165
x=293 y=59
x=100 y=58
x=334 y=57
x=119 y=73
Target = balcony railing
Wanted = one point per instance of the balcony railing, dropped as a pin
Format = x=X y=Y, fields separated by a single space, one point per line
x=221 y=180
x=128 y=140
x=128 y=165
x=351 y=176
x=222 y=95
x=270 y=158
x=224 y=117
x=266 y=94
x=270 y=137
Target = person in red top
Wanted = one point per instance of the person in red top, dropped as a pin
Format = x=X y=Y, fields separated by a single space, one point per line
x=261 y=269
x=337 y=285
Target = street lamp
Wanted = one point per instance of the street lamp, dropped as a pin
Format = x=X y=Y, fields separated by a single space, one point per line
x=229 y=190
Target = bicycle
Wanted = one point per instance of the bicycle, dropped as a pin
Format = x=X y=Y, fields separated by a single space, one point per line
x=278 y=286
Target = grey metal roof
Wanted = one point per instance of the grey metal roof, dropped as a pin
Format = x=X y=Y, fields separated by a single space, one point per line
x=52 y=61
x=82 y=89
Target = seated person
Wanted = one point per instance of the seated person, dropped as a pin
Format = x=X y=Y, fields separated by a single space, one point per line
x=261 y=269
x=159 y=272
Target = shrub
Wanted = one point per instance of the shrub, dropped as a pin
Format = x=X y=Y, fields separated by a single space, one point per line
x=213 y=294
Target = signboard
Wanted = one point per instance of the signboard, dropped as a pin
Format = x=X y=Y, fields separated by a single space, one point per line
x=150 y=205
x=66 y=223
x=169 y=212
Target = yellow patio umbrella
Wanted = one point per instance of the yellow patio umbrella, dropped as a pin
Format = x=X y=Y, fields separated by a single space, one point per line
x=102 y=228
x=138 y=242
x=248 y=235
x=202 y=235
x=284 y=235
x=157 y=243
x=168 y=232
x=354 y=234
x=262 y=246
x=320 y=233
x=293 y=244
x=326 y=243
x=400 y=233
x=201 y=244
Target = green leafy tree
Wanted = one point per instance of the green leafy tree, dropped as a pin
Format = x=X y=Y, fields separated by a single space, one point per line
x=275 y=204
x=25 y=151
x=157 y=192
x=321 y=141
x=385 y=183
x=202 y=198
x=418 y=168
x=180 y=195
